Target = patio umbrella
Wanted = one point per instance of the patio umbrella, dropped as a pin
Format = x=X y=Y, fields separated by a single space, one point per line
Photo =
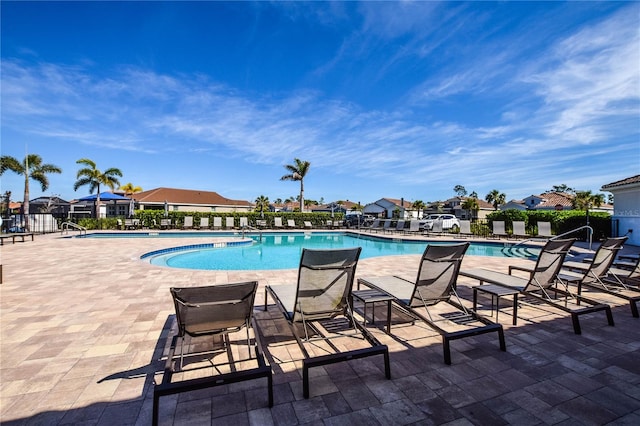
x=132 y=206
x=104 y=196
x=166 y=208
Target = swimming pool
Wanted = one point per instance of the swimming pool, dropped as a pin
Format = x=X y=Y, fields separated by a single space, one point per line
x=282 y=251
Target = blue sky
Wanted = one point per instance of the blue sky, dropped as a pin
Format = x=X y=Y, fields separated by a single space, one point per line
x=384 y=99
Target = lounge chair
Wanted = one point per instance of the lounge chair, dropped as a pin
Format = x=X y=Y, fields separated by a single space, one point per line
x=519 y=230
x=319 y=305
x=291 y=223
x=307 y=224
x=375 y=226
x=217 y=222
x=244 y=222
x=399 y=226
x=627 y=272
x=277 y=222
x=435 y=284
x=188 y=222
x=465 y=229
x=229 y=222
x=218 y=311
x=131 y=223
x=204 y=222
x=597 y=275
x=436 y=228
x=542 y=283
x=414 y=227
x=498 y=230
x=385 y=225
x=544 y=230
x=165 y=223
x=261 y=223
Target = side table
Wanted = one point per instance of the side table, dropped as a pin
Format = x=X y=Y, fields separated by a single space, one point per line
x=497 y=291
x=373 y=296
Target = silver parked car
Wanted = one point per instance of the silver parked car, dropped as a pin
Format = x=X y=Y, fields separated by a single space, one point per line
x=449 y=221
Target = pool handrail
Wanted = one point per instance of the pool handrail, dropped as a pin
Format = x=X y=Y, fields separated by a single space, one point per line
x=66 y=225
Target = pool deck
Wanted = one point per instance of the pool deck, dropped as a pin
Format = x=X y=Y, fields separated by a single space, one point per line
x=84 y=324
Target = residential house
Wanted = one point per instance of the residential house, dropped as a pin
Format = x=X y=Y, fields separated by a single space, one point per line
x=454 y=206
x=626 y=211
x=391 y=208
x=188 y=200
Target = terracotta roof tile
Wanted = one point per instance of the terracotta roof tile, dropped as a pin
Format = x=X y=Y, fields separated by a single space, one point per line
x=627 y=181
x=186 y=196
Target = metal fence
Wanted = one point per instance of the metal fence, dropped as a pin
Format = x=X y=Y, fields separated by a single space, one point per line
x=39 y=223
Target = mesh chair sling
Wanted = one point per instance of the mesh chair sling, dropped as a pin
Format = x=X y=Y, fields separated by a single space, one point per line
x=212 y=311
x=435 y=283
x=598 y=274
x=325 y=280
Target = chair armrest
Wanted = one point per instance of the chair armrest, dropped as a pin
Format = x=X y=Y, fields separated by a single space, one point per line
x=520 y=268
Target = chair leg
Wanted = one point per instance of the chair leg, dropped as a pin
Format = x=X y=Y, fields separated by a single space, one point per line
x=447 y=350
x=503 y=345
x=576 y=324
x=609 y=316
x=305 y=380
x=182 y=353
x=634 y=308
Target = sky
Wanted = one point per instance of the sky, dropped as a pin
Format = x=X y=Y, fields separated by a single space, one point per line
x=384 y=99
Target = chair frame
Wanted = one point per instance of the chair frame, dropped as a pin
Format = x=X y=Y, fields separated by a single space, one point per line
x=309 y=362
x=447 y=336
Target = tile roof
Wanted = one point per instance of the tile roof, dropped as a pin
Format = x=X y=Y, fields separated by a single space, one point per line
x=627 y=181
x=552 y=199
x=397 y=202
x=186 y=196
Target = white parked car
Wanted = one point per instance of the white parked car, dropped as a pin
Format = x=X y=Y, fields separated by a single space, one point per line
x=449 y=221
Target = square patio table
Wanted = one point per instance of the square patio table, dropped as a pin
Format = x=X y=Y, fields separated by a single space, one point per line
x=497 y=291
x=372 y=297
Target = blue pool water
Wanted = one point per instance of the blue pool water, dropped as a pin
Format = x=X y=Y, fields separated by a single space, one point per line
x=282 y=251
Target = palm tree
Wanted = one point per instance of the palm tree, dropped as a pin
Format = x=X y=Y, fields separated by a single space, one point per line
x=90 y=175
x=298 y=171
x=262 y=203
x=496 y=198
x=472 y=206
x=130 y=189
x=419 y=206
x=31 y=168
x=585 y=200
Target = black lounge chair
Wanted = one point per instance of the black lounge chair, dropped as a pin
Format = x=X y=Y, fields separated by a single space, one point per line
x=542 y=283
x=436 y=283
x=216 y=310
x=318 y=303
x=599 y=276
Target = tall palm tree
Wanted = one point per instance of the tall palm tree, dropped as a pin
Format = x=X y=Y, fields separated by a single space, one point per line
x=262 y=203
x=460 y=190
x=130 y=189
x=496 y=198
x=90 y=175
x=298 y=171
x=31 y=168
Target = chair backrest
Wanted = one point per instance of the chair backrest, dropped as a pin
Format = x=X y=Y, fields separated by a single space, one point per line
x=438 y=273
x=188 y=221
x=291 y=223
x=498 y=227
x=325 y=279
x=204 y=222
x=387 y=224
x=519 y=228
x=414 y=225
x=244 y=222
x=548 y=265
x=603 y=259
x=229 y=222
x=277 y=222
x=307 y=224
x=375 y=224
x=400 y=225
x=465 y=226
x=544 y=229
x=437 y=226
x=217 y=222
x=214 y=309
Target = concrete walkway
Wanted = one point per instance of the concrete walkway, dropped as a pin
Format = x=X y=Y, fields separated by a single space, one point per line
x=84 y=324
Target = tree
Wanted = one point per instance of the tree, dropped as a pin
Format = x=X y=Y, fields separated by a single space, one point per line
x=90 y=175
x=474 y=194
x=31 y=168
x=460 y=190
x=472 y=206
x=298 y=171
x=496 y=198
x=130 y=189
x=562 y=188
x=585 y=200
x=262 y=204
x=418 y=205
